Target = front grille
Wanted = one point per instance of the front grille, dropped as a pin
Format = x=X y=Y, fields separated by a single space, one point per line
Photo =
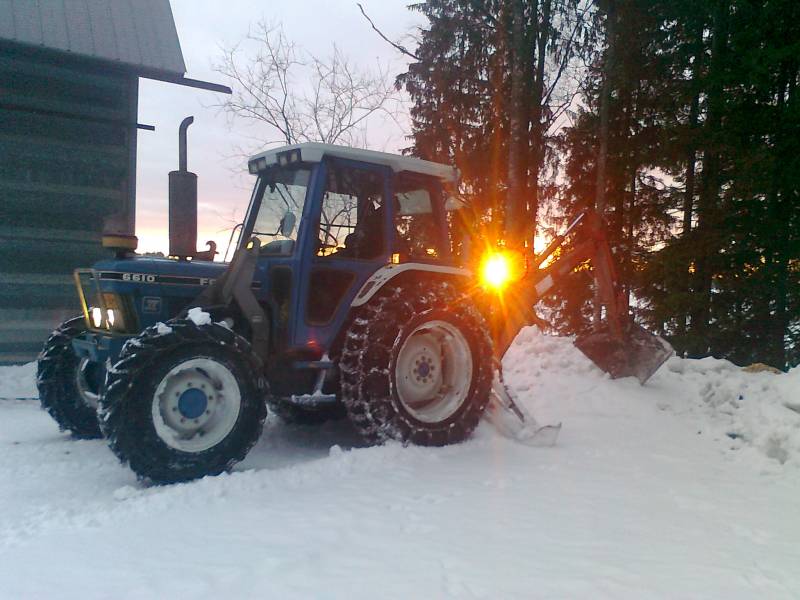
x=97 y=304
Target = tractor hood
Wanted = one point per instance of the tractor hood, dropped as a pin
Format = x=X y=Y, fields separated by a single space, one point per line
x=159 y=271
x=149 y=290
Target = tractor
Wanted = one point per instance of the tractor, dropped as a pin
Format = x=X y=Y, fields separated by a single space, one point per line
x=350 y=294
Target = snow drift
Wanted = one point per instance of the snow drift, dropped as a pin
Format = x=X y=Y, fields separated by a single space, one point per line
x=683 y=488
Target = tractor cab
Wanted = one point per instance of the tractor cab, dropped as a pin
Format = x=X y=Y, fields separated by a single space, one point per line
x=328 y=220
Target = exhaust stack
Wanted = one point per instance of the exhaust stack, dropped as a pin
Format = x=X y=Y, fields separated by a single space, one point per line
x=183 y=202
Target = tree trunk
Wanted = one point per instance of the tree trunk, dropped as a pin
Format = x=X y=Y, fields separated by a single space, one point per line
x=602 y=153
x=691 y=166
x=691 y=152
x=708 y=204
x=779 y=214
x=519 y=121
x=537 y=142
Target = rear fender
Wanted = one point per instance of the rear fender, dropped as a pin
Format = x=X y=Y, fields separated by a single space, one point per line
x=391 y=272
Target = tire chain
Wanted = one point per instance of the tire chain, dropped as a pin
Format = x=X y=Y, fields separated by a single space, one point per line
x=359 y=369
x=51 y=386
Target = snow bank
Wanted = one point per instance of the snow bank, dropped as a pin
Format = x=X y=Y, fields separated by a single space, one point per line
x=644 y=497
x=752 y=409
x=18 y=381
x=755 y=410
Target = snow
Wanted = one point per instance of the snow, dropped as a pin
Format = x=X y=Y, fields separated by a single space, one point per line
x=198 y=316
x=684 y=488
x=18 y=382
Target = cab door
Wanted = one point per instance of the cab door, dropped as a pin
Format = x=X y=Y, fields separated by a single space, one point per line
x=351 y=221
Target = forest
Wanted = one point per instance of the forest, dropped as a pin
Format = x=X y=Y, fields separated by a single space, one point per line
x=677 y=120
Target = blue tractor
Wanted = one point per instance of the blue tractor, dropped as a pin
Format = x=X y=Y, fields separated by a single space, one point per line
x=347 y=296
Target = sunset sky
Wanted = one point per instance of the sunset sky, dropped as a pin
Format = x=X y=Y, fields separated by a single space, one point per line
x=203 y=27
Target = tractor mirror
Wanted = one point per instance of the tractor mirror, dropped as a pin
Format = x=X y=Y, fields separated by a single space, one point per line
x=287 y=224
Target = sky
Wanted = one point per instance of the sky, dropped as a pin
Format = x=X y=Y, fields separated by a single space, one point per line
x=204 y=27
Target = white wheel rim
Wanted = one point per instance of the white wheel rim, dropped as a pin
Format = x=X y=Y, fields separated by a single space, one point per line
x=433 y=371
x=196 y=405
x=89 y=397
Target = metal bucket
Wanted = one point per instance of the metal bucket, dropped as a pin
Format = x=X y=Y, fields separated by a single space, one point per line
x=638 y=353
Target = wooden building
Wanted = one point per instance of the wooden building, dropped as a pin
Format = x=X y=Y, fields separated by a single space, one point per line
x=69 y=73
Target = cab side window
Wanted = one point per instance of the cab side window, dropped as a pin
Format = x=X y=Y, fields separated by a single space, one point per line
x=351 y=223
x=416 y=228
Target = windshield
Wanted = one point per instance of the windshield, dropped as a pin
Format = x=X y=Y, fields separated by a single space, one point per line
x=280 y=209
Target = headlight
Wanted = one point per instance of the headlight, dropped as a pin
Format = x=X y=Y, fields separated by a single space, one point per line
x=115 y=311
x=112 y=316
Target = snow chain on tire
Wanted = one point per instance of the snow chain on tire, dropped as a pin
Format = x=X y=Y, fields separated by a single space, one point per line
x=56 y=378
x=371 y=346
x=126 y=407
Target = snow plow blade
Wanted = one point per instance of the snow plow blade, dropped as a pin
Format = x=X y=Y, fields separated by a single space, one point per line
x=638 y=353
x=514 y=422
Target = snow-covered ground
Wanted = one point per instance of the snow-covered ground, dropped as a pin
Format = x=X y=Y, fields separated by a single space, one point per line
x=688 y=487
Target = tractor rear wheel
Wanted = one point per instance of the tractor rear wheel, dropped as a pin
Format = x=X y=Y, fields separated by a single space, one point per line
x=69 y=386
x=183 y=403
x=416 y=366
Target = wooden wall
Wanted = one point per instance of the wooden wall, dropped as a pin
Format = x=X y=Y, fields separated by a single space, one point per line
x=67 y=162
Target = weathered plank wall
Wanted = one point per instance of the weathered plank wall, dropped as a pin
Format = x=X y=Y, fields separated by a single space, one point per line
x=67 y=161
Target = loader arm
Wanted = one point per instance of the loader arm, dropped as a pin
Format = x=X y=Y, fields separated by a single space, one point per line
x=618 y=346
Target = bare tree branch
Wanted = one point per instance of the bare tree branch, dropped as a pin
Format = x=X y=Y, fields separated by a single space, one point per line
x=302 y=97
x=395 y=45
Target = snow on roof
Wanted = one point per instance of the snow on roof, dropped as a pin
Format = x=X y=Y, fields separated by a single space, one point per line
x=315 y=151
x=138 y=33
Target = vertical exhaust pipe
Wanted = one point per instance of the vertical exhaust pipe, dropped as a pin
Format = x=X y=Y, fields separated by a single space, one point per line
x=183 y=202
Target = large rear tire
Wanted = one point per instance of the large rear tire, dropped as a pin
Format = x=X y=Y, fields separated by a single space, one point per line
x=416 y=366
x=69 y=386
x=183 y=403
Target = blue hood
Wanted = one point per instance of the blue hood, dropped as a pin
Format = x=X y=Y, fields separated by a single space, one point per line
x=164 y=269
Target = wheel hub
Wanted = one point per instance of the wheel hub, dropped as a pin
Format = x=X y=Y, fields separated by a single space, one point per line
x=433 y=371
x=196 y=405
x=192 y=403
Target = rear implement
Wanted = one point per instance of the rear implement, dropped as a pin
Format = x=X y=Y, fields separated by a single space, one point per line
x=618 y=345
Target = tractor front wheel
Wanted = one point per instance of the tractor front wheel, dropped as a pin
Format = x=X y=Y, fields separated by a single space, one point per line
x=183 y=402
x=416 y=366
x=69 y=386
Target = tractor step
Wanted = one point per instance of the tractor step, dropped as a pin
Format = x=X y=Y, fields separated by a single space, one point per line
x=313 y=364
x=312 y=400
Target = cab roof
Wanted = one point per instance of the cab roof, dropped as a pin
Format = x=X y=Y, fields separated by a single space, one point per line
x=315 y=152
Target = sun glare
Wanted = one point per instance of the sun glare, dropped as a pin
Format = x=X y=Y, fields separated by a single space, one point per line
x=501 y=267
